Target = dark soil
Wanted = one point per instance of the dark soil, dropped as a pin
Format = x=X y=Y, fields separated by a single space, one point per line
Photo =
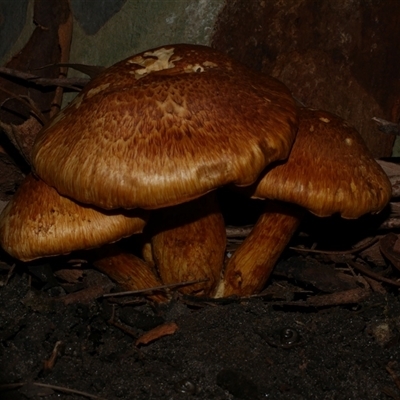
x=235 y=350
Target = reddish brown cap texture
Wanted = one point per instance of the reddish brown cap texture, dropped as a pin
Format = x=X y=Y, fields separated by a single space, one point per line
x=164 y=127
x=329 y=170
x=38 y=222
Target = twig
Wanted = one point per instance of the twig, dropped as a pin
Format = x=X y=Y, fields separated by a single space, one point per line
x=238 y=231
x=388 y=127
x=338 y=252
x=155 y=288
x=9 y=274
x=372 y=274
x=120 y=326
x=390 y=223
x=12 y=386
x=69 y=83
x=28 y=103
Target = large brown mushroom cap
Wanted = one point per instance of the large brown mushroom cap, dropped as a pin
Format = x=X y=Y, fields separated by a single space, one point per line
x=38 y=222
x=164 y=127
x=330 y=170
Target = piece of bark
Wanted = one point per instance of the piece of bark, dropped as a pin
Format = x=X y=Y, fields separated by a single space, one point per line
x=47 y=45
x=23 y=136
x=351 y=296
x=160 y=331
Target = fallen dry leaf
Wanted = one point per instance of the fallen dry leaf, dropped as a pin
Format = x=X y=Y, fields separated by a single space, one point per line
x=69 y=275
x=373 y=255
x=158 y=332
x=96 y=285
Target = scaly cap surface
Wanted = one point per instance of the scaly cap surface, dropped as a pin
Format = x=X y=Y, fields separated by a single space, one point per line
x=330 y=170
x=164 y=127
x=38 y=222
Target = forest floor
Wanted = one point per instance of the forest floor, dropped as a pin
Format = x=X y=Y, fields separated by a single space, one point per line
x=276 y=346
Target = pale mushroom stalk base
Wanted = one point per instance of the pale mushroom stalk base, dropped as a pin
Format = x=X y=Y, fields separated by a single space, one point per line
x=189 y=244
x=249 y=268
x=129 y=271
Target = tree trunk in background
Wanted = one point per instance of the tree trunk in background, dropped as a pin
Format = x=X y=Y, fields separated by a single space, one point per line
x=341 y=56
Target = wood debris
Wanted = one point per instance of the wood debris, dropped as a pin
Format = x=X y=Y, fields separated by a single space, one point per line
x=160 y=331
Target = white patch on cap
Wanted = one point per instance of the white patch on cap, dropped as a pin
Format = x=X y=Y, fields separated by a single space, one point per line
x=152 y=61
x=209 y=64
x=194 y=68
x=348 y=141
x=326 y=120
x=339 y=195
x=171 y=107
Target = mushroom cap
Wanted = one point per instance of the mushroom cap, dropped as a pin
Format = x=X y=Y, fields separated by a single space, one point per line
x=166 y=126
x=38 y=222
x=330 y=170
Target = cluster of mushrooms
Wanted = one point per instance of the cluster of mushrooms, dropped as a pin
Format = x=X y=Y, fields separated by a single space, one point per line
x=143 y=148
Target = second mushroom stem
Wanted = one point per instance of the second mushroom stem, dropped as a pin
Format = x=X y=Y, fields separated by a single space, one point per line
x=129 y=271
x=249 y=268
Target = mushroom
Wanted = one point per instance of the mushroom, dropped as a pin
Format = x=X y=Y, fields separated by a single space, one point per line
x=166 y=127
x=329 y=171
x=129 y=271
x=38 y=222
x=192 y=236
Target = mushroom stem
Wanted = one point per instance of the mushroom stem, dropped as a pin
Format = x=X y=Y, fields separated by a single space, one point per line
x=189 y=244
x=249 y=268
x=129 y=271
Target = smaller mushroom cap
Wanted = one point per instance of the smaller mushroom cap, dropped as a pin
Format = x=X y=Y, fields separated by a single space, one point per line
x=164 y=127
x=330 y=170
x=38 y=222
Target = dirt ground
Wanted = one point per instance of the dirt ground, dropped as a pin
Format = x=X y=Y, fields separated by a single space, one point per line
x=259 y=348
